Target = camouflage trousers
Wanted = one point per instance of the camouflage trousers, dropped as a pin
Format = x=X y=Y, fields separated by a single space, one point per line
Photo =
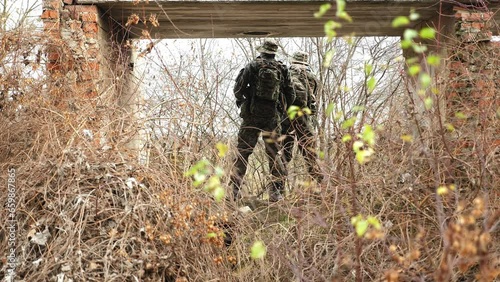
x=250 y=130
x=301 y=128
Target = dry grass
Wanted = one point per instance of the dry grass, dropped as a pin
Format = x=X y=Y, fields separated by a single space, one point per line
x=111 y=218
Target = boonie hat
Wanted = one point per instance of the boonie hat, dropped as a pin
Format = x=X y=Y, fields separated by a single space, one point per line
x=300 y=57
x=269 y=47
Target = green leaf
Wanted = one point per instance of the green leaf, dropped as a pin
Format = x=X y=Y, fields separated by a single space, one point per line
x=414 y=16
x=460 y=115
x=442 y=190
x=428 y=102
x=400 y=21
x=373 y=221
x=328 y=58
x=414 y=70
x=357 y=145
x=450 y=127
x=341 y=13
x=340 y=6
x=371 y=83
x=345 y=16
x=212 y=183
x=360 y=157
x=329 y=109
x=348 y=123
x=330 y=34
x=211 y=235
x=407 y=138
x=330 y=27
x=222 y=148
x=200 y=167
x=410 y=34
x=419 y=48
x=258 y=250
x=364 y=156
x=307 y=111
x=219 y=194
x=427 y=33
x=293 y=108
x=361 y=228
x=425 y=80
x=405 y=44
x=293 y=111
x=368 y=135
x=412 y=61
x=434 y=60
x=321 y=155
x=199 y=178
x=356 y=219
x=346 y=138
x=368 y=69
x=322 y=10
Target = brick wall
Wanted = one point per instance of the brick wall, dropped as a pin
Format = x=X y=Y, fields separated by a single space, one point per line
x=88 y=60
x=77 y=44
x=474 y=70
x=473 y=86
x=75 y=49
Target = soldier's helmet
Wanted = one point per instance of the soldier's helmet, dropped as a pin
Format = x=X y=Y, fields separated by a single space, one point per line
x=269 y=47
x=300 y=57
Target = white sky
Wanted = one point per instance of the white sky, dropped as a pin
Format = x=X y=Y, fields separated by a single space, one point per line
x=17 y=9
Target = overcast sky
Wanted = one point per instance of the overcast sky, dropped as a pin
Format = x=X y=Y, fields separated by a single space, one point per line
x=17 y=9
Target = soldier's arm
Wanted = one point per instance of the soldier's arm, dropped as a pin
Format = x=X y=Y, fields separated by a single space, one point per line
x=312 y=100
x=242 y=85
x=288 y=90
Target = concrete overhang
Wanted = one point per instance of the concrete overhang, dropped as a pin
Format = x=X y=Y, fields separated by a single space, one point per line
x=285 y=18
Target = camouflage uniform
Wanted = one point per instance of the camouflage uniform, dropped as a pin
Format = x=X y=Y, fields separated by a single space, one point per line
x=260 y=116
x=301 y=127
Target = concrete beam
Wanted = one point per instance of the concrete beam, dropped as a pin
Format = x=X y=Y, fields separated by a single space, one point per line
x=246 y=18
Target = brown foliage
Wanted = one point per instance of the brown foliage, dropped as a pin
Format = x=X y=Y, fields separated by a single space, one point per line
x=111 y=217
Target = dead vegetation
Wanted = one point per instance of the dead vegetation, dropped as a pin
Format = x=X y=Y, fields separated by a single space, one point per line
x=87 y=210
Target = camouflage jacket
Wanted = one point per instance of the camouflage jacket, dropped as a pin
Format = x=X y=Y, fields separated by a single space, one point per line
x=312 y=86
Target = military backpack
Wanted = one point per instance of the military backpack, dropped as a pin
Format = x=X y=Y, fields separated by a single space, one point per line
x=267 y=88
x=301 y=85
x=268 y=80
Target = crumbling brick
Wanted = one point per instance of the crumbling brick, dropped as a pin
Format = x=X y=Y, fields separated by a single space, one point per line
x=50 y=14
x=50 y=25
x=472 y=86
x=52 y=4
x=88 y=16
x=90 y=27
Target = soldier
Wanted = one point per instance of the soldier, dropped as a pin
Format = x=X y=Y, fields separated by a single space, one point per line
x=305 y=86
x=263 y=91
